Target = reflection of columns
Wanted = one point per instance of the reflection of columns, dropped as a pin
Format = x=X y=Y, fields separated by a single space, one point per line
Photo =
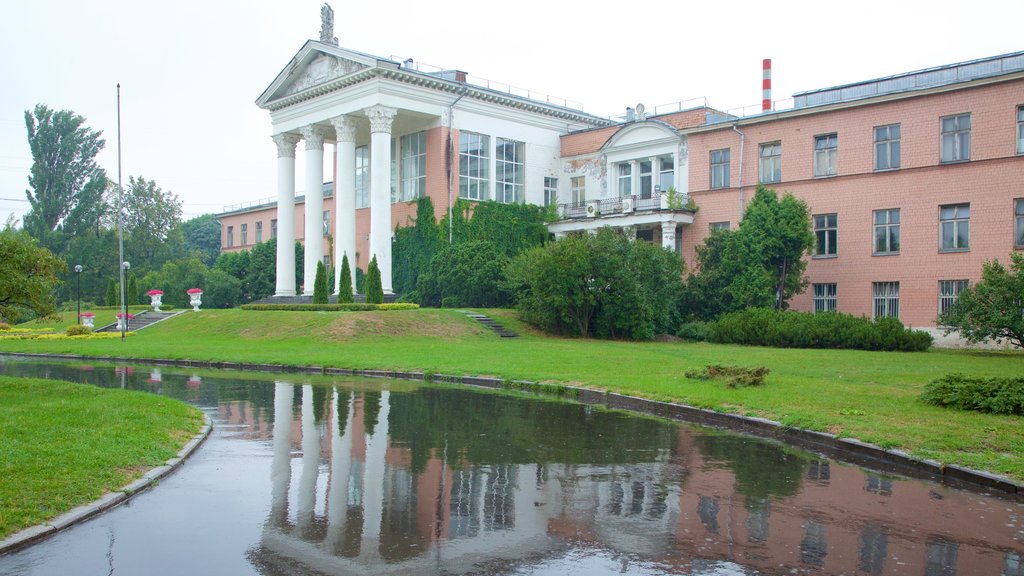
x=314 y=241
x=280 y=466
x=310 y=462
x=341 y=466
x=345 y=198
x=285 y=214
x=381 y=118
x=373 y=483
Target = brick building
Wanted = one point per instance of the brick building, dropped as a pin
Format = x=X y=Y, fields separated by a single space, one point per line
x=913 y=180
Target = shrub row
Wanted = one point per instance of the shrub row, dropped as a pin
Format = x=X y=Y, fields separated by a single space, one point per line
x=789 y=329
x=996 y=395
x=350 y=307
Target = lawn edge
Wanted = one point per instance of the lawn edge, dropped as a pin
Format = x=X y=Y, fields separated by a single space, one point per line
x=36 y=534
x=846 y=449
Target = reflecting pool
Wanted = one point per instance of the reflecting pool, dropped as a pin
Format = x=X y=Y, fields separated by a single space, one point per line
x=312 y=474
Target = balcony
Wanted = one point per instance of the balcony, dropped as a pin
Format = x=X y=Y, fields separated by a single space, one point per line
x=659 y=208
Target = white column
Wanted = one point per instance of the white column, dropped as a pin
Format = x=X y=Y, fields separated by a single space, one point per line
x=375 y=470
x=381 y=118
x=345 y=198
x=314 y=236
x=285 y=214
x=341 y=468
x=668 y=235
x=281 y=464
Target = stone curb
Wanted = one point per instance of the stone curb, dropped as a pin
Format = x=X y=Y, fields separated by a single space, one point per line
x=846 y=449
x=35 y=534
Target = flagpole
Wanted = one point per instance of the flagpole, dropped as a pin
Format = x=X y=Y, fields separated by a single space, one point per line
x=120 y=209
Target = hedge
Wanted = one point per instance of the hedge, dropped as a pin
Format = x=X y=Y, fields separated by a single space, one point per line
x=962 y=392
x=789 y=329
x=350 y=307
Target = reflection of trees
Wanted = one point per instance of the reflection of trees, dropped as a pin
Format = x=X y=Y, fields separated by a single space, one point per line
x=496 y=429
x=762 y=469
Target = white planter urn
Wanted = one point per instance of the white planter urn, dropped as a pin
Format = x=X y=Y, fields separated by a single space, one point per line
x=87 y=321
x=195 y=299
x=155 y=301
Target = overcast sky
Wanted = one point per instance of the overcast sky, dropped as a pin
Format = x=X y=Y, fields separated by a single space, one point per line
x=191 y=70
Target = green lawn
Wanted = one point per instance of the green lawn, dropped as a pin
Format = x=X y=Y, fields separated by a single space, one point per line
x=867 y=395
x=66 y=318
x=64 y=444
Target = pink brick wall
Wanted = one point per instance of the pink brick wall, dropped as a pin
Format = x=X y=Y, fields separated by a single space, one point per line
x=989 y=182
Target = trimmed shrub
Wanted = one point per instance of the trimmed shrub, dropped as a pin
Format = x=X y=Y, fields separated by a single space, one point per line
x=4 y=326
x=696 y=331
x=131 y=295
x=962 y=392
x=110 y=298
x=346 y=307
x=320 y=284
x=374 y=288
x=345 y=282
x=467 y=274
x=78 y=330
x=788 y=329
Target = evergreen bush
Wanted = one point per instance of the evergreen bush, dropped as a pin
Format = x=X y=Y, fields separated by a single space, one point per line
x=374 y=289
x=110 y=297
x=345 y=282
x=320 y=284
x=77 y=330
x=962 y=392
x=132 y=294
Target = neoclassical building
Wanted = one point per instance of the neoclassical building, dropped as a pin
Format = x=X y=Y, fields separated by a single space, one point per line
x=913 y=180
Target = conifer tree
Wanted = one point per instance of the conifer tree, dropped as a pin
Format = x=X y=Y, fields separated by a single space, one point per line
x=110 y=298
x=320 y=284
x=374 y=289
x=345 y=282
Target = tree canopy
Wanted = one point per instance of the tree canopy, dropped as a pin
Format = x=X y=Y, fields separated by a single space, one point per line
x=67 y=184
x=993 y=308
x=28 y=275
x=202 y=236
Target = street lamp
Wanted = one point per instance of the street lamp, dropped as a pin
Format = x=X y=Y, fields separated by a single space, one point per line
x=124 y=303
x=78 y=274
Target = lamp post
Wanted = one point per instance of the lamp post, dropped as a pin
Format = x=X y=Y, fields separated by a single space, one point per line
x=78 y=275
x=124 y=302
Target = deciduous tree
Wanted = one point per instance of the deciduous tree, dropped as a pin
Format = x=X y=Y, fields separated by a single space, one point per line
x=28 y=276
x=993 y=308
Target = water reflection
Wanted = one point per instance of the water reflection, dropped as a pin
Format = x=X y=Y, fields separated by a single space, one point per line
x=446 y=480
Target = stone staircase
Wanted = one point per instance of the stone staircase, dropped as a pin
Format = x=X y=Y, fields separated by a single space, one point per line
x=141 y=320
x=491 y=323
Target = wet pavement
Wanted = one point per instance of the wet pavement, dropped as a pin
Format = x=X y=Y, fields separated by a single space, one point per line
x=319 y=475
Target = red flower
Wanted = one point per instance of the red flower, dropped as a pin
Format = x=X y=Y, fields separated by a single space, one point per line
x=154 y=292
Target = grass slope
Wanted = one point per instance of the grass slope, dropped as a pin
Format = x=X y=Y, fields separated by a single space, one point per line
x=867 y=395
x=64 y=444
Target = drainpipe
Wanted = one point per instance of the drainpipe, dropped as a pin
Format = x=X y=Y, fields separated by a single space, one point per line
x=743 y=199
x=448 y=163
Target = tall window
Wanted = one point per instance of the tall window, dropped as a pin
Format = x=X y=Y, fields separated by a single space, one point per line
x=955 y=227
x=625 y=179
x=273 y=228
x=949 y=291
x=578 y=189
x=720 y=168
x=956 y=138
x=824 y=298
x=474 y=159
x=550 y=191
x=245 y=234
x=327 y=222
x=1020 y=129
x=231 y=236
x=887 y=147
x=259 y=231
x=826 y=153
x=646 y=178
x=886 y=299
x=826 y=235
x=414 y=166
x=1018 y=212
x=509 y=162
x=887 y=231
x=769 y=165
x=667 y=173
x=362 y=177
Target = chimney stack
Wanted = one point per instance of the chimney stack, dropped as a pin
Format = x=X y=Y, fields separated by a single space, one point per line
x=766 y=85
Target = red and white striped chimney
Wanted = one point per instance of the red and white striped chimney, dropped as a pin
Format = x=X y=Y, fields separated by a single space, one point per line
x=766 y=85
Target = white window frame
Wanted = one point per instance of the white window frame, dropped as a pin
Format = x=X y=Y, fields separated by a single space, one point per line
x=1020 y=129
x=509 y=171
x=956 y=218
x=244 y=234
x=578 y=189
x=956 y=138
x=887 y=223
x=826 y=235
x=413 y=149
x=885 y=298
x=550 y=191
x=716 y=226
x=949 y=291
x=273 y=228
x=666 y=176
x=769 y=163
x=887 y=147
x=231 y=236
x=645 y=179
x=625 y=179
x=363 y=177
x=259 y=231
x=826 y=155
x=721 y=161
x=327 y=222
x=825 y=299
x=474 y=166
x=1018 y=218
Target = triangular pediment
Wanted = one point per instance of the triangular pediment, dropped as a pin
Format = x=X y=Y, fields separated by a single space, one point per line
x=315 y=64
